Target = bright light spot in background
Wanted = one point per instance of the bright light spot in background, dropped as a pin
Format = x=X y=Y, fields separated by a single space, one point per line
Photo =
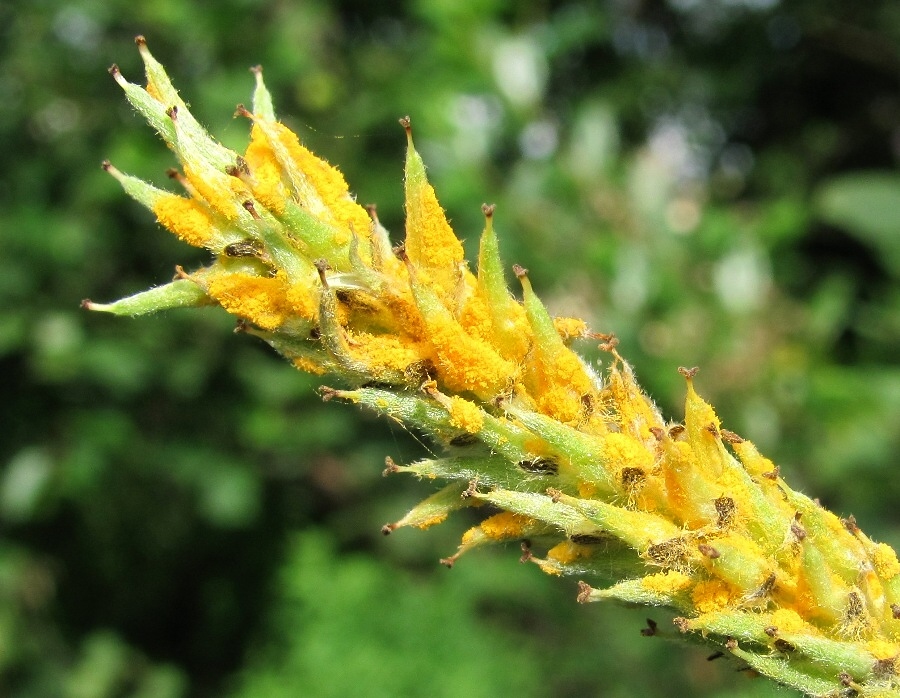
x=630 y=284
x=520 y=70
x=594 y=142
x=475 y=118
x=539 y=140
x=77 y=29
x=742 y=279
x=700 y=5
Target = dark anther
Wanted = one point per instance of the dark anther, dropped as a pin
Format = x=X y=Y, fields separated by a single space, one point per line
x=650 y=630
x=771 y=631
x=106 y=165
x=783 y=645
x=850 y=524
x=554 y=494
x=241 y=326
x=244 y=248
x=772 y=474
x=731 y=644
x=256 y=69
x=895 y=610
x=526 y=552
x=140 y=40
x=709 y=551
x=448 y=561
x=172 y=112
x=389 y=467
x=658 y=433
x=488 y=210
x=632 y=478
x=540 y=466
x=114 y=69
x=519 y=271
x=855 y=606
x=845 y=678
x=884 y=668
x=327 y=393
x=400 y=252
x=406 y=123
x=388 y=529
x=688 y=372
x=463 y=440
x=584 y=592
x=588 y=538
x=797 y=531
x=712 y=429
x=730 y=437
x=472 y=489
x=322 y=266
x=251 y=209
x=241 y=110
x=725 y=509
x=675 y=431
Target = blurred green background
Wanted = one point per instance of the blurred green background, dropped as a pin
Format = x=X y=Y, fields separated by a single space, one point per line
x=715 y=181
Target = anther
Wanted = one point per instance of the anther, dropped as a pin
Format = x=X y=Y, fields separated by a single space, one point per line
x=895 y=611
x=712 y=429
x=519 y=271
x=327 y=393
x=406 y=123
x=114 y=70
x=322 y=266
x=256 y=69
x=488 y=210
x=554 y=494
x=400 y=252
x=471 y=490
x=241 y=110
x=390 y=467
x=140 y=40
x=772 y=474
x=251 y=209
x=675 y=430
x=709 y=551
x=688 y=372
x=584 y=592
x=526 y=552
x=388 y=529
x=449 y=561
x=658 y=433
x=730 y=437
x=650 y=630
x=850 y=524
x=172 y=112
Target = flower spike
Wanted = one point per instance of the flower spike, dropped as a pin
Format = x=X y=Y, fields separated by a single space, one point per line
x=577 y=464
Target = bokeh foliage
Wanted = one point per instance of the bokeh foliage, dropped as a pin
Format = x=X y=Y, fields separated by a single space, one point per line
x=714 y=181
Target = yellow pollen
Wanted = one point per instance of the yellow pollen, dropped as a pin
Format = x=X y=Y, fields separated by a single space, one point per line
x=465 y=415
x=624 y=451
x=328 y=183
x=304 y=301
x=505 y=525
x=383 y=352
x=430 y=521
x=570 y=327
x=262 y=301
x=788 y=620
x=309 y=366
x=713 y=595
x=465 y=363
x=670 y=582
x=881 y=649
x=188 y=219
x=267 y=186
x=568 y=552
x=153 y=91
x=885 y=560
x=225 y=194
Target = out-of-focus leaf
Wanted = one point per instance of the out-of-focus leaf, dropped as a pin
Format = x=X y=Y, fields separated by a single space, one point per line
x=867 y=205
